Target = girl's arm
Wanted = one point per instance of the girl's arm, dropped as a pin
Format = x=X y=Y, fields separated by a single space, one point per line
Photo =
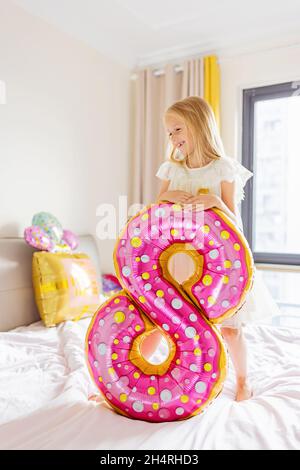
x=225 y=203
x=163 y=189
x=228 y=199
x=176 y=196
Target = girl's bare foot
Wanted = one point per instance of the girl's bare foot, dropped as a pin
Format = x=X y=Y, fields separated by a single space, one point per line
x=243 y=392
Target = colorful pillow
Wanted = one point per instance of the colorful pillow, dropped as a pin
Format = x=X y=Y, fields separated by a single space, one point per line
x=65 y=286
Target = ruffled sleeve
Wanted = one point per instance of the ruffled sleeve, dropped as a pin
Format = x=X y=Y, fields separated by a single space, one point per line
x=165 y=171
x=232 y=170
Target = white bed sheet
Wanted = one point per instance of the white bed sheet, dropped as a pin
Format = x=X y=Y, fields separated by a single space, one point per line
x=45 y=384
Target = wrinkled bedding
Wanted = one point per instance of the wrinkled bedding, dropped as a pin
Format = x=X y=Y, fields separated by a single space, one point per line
x=45 y=385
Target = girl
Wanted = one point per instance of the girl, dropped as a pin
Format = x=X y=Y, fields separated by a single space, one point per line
x=197 y=165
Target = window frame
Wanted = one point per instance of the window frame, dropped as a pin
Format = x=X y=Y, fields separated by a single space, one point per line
x=250 y=97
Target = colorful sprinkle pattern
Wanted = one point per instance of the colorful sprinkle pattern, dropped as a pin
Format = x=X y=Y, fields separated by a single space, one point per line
x=197 y=368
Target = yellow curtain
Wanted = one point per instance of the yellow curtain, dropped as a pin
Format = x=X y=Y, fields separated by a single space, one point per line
x=212 y=85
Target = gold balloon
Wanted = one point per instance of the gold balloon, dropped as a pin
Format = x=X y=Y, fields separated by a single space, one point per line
x=65 y=286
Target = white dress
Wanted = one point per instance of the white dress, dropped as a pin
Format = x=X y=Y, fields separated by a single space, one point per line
x=259 y=302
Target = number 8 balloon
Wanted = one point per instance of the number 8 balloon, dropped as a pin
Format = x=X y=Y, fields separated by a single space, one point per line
x=195 y=369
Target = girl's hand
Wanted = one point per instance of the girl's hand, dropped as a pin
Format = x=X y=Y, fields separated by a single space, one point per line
x=204 y=201
x=207 y=201
x=178 y=197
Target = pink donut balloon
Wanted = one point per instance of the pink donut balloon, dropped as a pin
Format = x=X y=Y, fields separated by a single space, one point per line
x=194 y=371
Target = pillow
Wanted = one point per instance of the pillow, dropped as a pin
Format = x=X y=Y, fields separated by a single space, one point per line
x=65 y=286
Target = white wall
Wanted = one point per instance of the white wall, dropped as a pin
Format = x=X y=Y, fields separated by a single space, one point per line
x=64 y=132
x=246 y=71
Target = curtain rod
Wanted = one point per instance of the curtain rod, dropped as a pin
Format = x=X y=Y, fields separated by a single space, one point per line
x=159 y=72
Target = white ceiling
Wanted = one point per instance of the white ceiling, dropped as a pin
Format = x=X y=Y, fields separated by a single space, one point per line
x=144 y=32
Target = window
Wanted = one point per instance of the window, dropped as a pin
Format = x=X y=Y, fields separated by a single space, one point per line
x=271 y=149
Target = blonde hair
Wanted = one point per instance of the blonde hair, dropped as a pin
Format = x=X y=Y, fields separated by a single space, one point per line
x=200 y=121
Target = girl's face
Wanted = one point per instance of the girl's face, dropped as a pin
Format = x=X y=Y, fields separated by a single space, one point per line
x=179 y=135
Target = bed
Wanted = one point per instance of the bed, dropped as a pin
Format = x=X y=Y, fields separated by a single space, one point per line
x=45 y=384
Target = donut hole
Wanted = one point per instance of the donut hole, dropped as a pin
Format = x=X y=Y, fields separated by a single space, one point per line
x=181 y=266
x=155 y=348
